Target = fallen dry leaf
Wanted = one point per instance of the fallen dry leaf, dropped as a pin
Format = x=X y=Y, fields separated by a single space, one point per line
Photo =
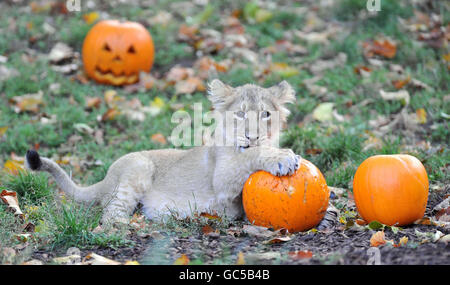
x=258 y=231
x=32 y=262
x=399 y=95
x=10 y=199
x=146 y=80
x=156 y=106
x=95 y=259
x=81 y=78
x=383 y=47
x=377 y=239
x=66 y=68
x=23 y=237
x=315 y=37
x=67 y=260
x=3 y=131
x=278 y=240
x=209 y=216
x=428 y=236
x=288 y=47
x=232 y=25
x=40 y=6
x=364 y=71
x=424 y=221
x=205 y=65
x=283 y=69
x=234 y=231
x=7 y=72
x=190 y=85
x=442 y=210
x=112 y=99
x=163 y=18
x=300 y=254
x=28 y=102
x=314 y=151
x=322 y=65
x=187 y=33
x=400 y=83
x=159 y=138
x=403 y=241
x=360 y=222
x=445 y=239
x=110 y=114
x=13 y=167
x=372 y=142
x=421 y=116
x=29 y=228
x=240 y=259
x=93 y=102
x=260 y=257
x=60 y=52
x=419 y=85
x=323 y=112
x=207 y=229
x=360 y=68
x=83 y=128
x=90 y=18
x=182 y=260
x=178 y=73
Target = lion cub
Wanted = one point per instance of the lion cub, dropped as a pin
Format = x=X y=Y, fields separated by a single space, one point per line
x=204 y=178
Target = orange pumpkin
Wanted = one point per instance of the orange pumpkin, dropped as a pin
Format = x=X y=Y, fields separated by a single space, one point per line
x=297 y=202
x=115 y=52
x=391 y=189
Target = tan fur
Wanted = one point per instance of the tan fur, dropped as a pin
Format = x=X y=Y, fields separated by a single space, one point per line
x=205 y=178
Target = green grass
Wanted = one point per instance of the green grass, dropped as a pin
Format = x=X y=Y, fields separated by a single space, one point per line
x=193 y=225
x=31 y=188
x=7 y=235
x=336 y=148
x=74 y=224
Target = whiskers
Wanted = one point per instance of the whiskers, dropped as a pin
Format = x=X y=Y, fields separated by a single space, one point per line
x=243 y=142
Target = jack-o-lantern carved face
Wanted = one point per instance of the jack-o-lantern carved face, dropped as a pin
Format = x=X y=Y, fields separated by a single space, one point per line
x=115 y=52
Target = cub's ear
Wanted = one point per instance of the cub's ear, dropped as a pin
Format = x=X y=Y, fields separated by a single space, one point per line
x=283 y=93
x=219 y=94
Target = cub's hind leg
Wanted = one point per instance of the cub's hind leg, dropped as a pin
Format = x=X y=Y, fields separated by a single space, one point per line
x=122 y=205
x=135 y=180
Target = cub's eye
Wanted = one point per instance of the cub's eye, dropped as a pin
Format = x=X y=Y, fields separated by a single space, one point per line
x=240 y=115
x=131 y=49
x=106 y=47
x=265 y=114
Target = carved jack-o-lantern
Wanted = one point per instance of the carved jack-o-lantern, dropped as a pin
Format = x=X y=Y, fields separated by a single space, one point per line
x=115 y=52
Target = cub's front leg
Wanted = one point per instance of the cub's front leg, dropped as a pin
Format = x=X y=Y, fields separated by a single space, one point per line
x=276 y=161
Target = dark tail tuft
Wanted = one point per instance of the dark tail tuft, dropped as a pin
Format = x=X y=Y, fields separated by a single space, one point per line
x=33 y=159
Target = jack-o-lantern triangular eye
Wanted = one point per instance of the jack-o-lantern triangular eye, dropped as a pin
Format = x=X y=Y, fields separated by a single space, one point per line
x=131 y=49
x=106 y=47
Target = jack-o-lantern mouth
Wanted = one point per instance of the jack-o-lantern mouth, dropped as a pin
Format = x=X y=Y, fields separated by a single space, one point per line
x=120 y=79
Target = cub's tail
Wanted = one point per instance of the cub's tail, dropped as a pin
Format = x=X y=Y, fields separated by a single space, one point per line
x=80 y=194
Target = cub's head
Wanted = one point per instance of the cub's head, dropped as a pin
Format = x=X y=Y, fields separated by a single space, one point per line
x=252 y=115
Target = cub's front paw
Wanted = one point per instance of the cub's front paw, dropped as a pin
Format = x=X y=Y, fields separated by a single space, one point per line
x=285 y=162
